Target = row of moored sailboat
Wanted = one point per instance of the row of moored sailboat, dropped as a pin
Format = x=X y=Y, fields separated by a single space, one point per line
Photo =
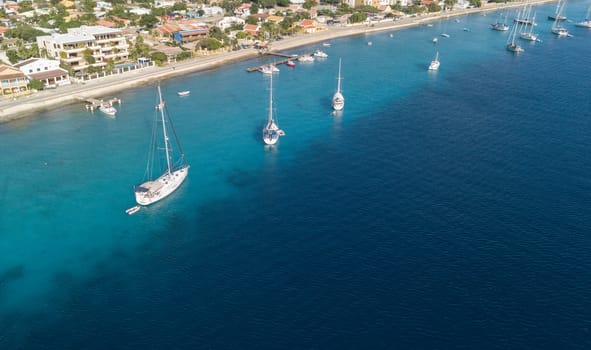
x=158 y=184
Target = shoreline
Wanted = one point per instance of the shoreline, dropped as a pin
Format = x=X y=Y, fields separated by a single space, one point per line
x=28 y=106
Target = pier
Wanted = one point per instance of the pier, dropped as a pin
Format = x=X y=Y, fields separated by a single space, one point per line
x=93 y=103
x=285 y=57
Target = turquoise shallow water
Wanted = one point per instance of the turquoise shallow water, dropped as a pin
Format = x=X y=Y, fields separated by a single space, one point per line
x=445 y=209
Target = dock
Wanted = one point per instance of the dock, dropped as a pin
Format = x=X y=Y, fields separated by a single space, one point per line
x=93 y=103
x=286 y=57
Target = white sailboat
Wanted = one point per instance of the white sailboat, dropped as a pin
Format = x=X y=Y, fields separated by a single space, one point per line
x=435 y=63
x=511 y=44
x=271 y=131
x=558 y=13
x=338 y=101
x=165 y=181
x=523 y=17
x=586 y=23
x=557 y=27
x=529 y=35
x=500 y=25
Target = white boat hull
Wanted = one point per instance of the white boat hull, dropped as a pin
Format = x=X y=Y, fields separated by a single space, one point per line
x=271 y=134
x=338 y=102
x=514 y=48
x=108 y=110
x=584 y=24
x=152 y=191
x=528 y=36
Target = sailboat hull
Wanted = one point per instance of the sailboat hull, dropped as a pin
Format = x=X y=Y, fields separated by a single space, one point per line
x=338 y=102
x=152 y=191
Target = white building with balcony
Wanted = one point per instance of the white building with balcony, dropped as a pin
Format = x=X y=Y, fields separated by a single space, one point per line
x=104 y=44
x=44 y=70
x=227 y=22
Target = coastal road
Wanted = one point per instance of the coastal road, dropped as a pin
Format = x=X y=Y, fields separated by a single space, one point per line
x=107 y=86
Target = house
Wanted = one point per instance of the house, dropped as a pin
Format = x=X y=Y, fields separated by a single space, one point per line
x=212 y=10
x=104 y=44
x=185 y=36
x=13 y=82
x=140 y=11
x=308 y=25
x=252 y=29
x=243 y=10
x=170 y=51
x=228 y=22
x=45 y=70
x=105 y=23
x=5 y=22
x=103 y=5
x=3 y=30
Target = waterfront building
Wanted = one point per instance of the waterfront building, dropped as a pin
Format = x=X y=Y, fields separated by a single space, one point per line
x=45 y=70
x=104 y=44
x=13 y=82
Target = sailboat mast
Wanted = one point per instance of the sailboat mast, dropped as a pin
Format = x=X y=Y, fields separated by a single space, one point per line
x=271 y=99
x=339 y=78
x=166 y=148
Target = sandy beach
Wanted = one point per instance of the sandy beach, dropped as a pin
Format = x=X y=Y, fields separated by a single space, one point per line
x=107 y=86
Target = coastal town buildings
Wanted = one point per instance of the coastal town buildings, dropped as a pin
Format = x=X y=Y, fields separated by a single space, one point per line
x=45 y=70
x=79 y=44
x=13 y=82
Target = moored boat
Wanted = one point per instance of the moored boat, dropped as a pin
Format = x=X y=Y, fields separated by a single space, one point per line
x=435 y=63
x=320 y=54
x=133 y=210
x=184 y=93
x=511 y=44
x=175 y=170
x=271 y=131
x=269 y=69
x=290 y=63
x=586 y=23
x=306 y=58
x=107 y=109
x=338 y=100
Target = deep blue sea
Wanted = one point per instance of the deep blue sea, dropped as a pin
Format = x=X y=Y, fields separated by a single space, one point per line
x=439 y=210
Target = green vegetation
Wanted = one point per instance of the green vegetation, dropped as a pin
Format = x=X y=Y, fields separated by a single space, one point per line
x=358 y=17
x=12 y=56
x=24 y=32
x=210 y=44
x=148 y=21
x=35 y=84
x=309 y=4
x=25 y=6
x=159 y=57
x=183 y=56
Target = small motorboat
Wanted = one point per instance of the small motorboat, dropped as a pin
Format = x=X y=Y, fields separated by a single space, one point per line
x=320 y=54
x=108 y=109
x=326 y=44
x=133 y=210
x=445 y=35
x=184 y=93
x=435 y=40
x=306 y=58
x=291 y=63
